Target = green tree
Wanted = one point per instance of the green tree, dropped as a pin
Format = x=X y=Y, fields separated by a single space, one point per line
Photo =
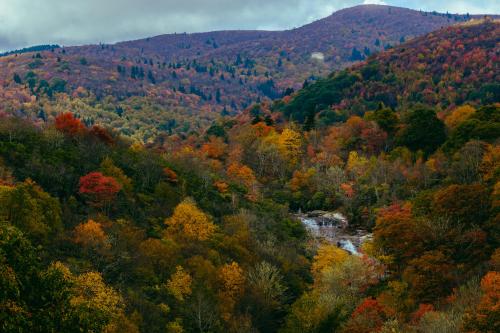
x=31 y=209
x=387 y=119
x=422 y=130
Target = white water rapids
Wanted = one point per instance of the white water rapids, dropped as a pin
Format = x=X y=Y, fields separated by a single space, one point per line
x=332 y=227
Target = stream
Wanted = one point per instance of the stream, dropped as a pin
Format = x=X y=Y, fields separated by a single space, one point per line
x=333 y=227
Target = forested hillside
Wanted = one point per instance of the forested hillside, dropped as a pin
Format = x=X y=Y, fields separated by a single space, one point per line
x=195 y=232
x=180 y=82
x=456 y=65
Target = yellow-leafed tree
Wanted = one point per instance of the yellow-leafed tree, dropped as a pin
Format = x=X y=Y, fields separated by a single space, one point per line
x=327 y=257
x=179 y=284
x=459 y=115
x=90 y=235
x=232 y=282
x=290 y=144
x=188 y=221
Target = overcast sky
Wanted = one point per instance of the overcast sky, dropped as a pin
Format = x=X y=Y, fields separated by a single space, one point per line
x=74 y=22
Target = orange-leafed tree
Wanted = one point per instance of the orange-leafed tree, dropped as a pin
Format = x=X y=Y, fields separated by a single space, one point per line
x=261 y=129
x=222 y=187
x=485 y=317
x=398 y=234
x=171 y=175
x=90 y=235
x=301 y=179
x=68 y=124
x=232 y=280
x=429 y=276
x=102 y=134
x=215 y=148
x=243 y=175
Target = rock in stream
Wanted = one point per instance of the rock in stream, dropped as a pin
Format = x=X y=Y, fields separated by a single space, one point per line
x=333 y=227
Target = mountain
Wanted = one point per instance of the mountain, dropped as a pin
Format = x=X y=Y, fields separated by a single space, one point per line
x=200 y=233
x=186 y=80
x=434 y=98
x=35 y=48
x=444 y=69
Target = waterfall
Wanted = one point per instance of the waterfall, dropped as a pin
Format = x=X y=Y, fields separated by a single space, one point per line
x=348 y=246
x=332 y=227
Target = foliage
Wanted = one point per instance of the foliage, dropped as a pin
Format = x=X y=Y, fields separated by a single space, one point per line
x=485 y=318
x=189 y=226
x=430 y=71
x=179 y=284
x=68 y=124
x=100 y=189
x=422 y=130
x=90 y=235
x=31 y=210
x=189 y=221
x=181 y=83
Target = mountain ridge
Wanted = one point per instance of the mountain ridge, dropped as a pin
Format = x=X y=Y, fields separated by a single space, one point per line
x=201 y=75
x=442 y=69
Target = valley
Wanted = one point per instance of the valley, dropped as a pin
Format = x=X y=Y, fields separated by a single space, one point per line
x=340 y=177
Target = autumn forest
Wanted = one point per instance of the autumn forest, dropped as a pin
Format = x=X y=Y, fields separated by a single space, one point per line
x=166 y=184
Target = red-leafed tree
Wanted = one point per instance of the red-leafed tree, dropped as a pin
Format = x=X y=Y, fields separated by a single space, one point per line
x=368 y=317
x=99 y=189
x=68 y=124
x=423 y=308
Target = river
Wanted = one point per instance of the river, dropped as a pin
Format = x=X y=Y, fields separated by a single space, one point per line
x=333 y=227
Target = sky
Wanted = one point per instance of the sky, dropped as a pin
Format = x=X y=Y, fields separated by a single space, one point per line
x=76 y=22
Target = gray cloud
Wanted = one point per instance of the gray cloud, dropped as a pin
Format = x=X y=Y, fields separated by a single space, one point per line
x=71 y=22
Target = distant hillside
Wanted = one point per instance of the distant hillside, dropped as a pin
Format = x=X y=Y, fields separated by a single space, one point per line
x=445 y=68
x=179 y=82
x=35 y=48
